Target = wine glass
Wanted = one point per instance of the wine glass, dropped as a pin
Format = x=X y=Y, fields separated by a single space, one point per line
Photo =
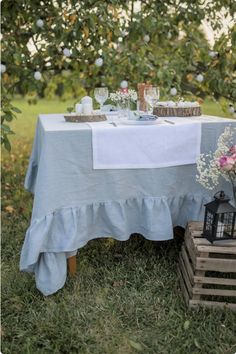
x=151 y=96
x=101 y=95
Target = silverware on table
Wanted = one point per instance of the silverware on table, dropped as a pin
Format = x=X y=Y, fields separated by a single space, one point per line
x=169 y=121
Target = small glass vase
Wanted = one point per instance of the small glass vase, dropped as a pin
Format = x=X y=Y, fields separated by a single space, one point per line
x=123 y=109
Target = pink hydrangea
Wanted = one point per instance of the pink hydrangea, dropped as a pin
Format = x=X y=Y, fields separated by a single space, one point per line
x=226 y=163
x=232 y=150
x=233 y=156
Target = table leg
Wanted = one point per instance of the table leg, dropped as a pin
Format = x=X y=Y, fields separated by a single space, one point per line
x=72 y=265
x=179 y=234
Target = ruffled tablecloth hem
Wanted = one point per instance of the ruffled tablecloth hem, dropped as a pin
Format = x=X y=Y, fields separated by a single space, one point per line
x=52 y=239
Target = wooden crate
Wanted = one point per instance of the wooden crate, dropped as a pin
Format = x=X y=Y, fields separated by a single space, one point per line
x=207 y=271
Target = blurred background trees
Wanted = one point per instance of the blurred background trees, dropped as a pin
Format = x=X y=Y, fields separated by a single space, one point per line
x=66 y=48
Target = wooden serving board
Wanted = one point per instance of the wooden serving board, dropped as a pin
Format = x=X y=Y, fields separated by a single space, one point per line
x=162 y=111
x=85 y=118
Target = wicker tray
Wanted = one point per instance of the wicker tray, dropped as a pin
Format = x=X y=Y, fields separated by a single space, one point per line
x=177 y=111
x=85 y=118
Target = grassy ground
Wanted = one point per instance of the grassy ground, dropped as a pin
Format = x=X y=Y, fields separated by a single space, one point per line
x=125 y=299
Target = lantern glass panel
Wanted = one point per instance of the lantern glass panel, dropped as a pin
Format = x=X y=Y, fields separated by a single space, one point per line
x=220 y=226
x=228 y=224
x=209 y=221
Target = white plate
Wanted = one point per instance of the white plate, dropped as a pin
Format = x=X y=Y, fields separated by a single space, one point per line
x=139 y=122
x=111 y=113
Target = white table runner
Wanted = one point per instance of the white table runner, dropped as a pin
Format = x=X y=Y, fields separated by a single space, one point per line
x=145 y=146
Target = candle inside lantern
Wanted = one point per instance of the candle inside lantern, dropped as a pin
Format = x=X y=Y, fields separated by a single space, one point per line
x=220 y=229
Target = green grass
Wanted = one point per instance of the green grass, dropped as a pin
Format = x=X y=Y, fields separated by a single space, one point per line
x=125 y=298
x=25 y=123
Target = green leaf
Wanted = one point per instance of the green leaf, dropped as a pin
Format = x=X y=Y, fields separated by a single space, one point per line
x=186 y=325
x=7 y=130
x=70 y=109
x=8 y=117
x=135 y=345
x=5 y=127
x=196 y=343
x=6 y=143
x=15 y=109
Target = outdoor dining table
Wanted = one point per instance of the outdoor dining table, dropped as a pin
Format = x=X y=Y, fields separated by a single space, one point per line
x=75 y=202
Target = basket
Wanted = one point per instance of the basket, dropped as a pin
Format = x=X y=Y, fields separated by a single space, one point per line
x=177 y=111
x=85 y=118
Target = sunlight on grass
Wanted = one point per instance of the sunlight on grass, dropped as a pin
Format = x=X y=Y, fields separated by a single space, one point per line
x=24 y=126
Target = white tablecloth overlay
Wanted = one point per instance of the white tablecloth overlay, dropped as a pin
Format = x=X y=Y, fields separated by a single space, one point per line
x=145 y=146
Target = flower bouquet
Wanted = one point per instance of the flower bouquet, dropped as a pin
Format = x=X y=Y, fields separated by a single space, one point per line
x=123 y=98
x=220 y=163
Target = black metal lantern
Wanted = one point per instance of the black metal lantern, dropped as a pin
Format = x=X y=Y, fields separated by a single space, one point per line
x=219 y=219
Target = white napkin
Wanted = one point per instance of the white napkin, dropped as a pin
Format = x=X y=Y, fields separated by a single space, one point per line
x=150 y=146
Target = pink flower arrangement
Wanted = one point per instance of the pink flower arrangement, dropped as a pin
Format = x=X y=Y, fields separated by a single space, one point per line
x=221 y=163
x=228 y=162
x=232 y=150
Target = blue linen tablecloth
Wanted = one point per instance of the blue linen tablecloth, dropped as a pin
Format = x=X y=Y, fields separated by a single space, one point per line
x=73 y=203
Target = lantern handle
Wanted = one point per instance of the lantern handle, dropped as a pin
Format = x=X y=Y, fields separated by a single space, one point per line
x=220 y=195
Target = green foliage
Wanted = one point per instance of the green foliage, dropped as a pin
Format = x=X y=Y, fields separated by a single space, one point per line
x=65 y=85
x=116 y=30
x=7 y=115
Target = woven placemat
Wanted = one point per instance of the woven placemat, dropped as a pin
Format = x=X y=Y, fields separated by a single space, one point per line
x=85 y=118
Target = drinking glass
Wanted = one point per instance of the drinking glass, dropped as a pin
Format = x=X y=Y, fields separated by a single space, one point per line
x=101 y=95
x=151 y=96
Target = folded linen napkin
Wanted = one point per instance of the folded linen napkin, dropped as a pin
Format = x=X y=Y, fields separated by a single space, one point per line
x=142 y=116
x=150 y=146
x=145 y=117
